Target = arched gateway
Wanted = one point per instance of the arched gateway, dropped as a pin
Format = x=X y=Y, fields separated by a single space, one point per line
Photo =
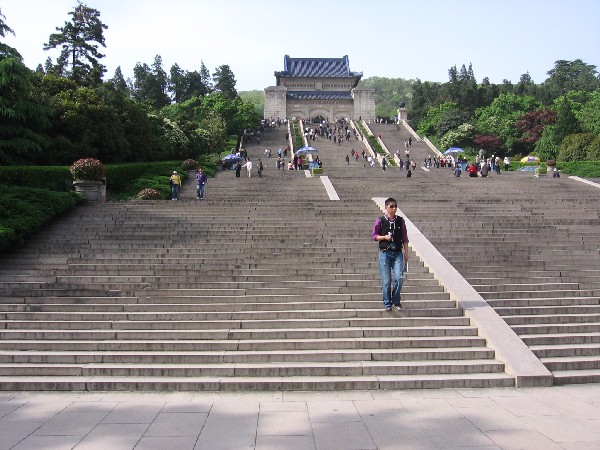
x=318 y=87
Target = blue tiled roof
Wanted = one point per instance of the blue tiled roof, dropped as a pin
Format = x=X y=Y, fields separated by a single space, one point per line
x=319 y=95
x=317 y=67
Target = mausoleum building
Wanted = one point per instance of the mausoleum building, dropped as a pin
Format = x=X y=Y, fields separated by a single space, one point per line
x=308 y=88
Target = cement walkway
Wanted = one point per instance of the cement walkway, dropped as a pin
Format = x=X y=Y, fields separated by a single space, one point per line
x=529 y=418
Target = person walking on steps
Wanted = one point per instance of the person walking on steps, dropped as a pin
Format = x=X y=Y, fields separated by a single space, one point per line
x=390 y=233
x=201 y=180
x=175 y=185
x=248 y=167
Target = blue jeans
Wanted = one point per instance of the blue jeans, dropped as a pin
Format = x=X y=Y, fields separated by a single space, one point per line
x=174 y=191
x=391 y=262
x=200 y=190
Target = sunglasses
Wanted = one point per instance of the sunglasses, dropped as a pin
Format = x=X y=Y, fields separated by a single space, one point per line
x=392 y=206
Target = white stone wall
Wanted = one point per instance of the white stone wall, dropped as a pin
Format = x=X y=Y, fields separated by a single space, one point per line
x=364 y=104
x=275 y=102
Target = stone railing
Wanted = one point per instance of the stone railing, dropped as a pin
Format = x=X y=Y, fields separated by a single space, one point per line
x=410 y=130
x=431 y=146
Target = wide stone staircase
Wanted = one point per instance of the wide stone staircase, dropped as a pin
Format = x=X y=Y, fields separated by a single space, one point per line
x=265 y=284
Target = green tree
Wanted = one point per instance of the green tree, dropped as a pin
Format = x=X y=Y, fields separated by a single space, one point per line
x=23 y=119
x=566 y=122
x=205 y=78
x=571 y=76
x=576 y=147
x=225 y=81
x=79 y=59
x=6 y=50
x=487 y=92
x=389 y=93
x=501 y=116
x=177 y=83
x=118 y=81
x=589 y=116
x=433 y=116
x=215 y=132
x=150 y=84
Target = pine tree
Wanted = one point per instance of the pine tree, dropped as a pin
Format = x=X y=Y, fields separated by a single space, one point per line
x=79 y=40
x=225 y=81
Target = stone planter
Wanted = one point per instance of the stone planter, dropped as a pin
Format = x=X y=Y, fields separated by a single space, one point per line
x=550 y=169
x=92 y=190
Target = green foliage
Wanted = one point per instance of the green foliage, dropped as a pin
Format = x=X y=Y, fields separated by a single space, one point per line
x=571 y=76
x=433 y=116
x=566 y=122
x=298 y=142
x=389 y=94
x=23 y=119
x=25 y=210
x=462 y=136
x=317 y=171
x=579 y=147
x=547 y=145
x=585 y=169
x=254 y=98
x=54 y=178
x=224 y=82
x=589 y=115
x=501 y=116
x=79 y=40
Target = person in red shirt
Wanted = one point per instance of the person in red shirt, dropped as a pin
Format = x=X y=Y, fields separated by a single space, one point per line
x=472 y=170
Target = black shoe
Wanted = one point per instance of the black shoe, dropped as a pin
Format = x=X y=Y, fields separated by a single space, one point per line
x=388 y=308
x=398 y=307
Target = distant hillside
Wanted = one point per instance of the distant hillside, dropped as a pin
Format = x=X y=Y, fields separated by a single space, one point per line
x=256 y=97
x=389 y=93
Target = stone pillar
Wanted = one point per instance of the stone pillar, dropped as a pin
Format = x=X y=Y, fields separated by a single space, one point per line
x=402 y=115
x=364 y=104
x=275 y=102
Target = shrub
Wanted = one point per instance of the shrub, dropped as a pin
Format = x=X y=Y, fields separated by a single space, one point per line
x=551 y=163
x=575 y=147
x=189 y=164
x=149 y=194
x=87 y=169
x=25 y=210
x=54 y=178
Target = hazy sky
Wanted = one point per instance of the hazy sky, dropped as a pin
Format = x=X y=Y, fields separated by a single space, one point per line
x=388 y=38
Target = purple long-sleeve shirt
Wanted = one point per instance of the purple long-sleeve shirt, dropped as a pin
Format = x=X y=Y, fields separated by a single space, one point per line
x=377 y=230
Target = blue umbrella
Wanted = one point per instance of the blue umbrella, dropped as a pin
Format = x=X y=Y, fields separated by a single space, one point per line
x=453 y=150
x=232 y=158
x=306 y=150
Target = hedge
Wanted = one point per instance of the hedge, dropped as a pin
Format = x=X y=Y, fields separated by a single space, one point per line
x=25 y=210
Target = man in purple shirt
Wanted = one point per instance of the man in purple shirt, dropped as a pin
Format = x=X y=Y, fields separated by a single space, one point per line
x=201 y=180
x=390 y=232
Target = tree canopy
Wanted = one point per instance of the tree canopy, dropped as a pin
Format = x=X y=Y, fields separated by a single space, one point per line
x=79 y=39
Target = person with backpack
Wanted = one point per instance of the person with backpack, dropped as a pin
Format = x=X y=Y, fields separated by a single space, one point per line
x=389 y=231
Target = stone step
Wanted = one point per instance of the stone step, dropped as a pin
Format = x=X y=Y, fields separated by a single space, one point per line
x=386 y=320
x=562 y=377
x=341 y=369
x=381 y=342
x=197 y=357
x=264 y=315
x=98 y=306
x=434 y=381
x=236 y=334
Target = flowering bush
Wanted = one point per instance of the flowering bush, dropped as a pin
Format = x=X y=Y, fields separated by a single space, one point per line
x=149 y=194
x=551 y=163
x=189 y=164
x=87 y=169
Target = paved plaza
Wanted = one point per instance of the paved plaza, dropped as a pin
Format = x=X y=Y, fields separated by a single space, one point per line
x=565 y=417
